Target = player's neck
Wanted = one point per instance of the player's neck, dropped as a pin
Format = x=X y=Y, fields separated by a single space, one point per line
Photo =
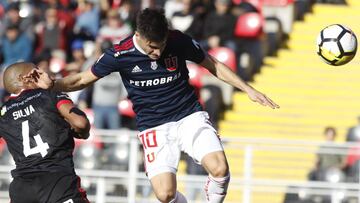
x=137 y=45
x=17 y=93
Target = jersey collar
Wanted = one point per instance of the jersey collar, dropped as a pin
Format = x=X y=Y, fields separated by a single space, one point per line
x=18 y=94
x=137 y=46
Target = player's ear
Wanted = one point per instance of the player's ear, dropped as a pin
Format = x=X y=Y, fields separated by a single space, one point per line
x=23 y=80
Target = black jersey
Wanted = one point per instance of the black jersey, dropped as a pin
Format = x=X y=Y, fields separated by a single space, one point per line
x=159 y=89
x=38 y=137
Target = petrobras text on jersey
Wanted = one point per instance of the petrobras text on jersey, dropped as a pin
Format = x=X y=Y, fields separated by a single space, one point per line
x=156 y=81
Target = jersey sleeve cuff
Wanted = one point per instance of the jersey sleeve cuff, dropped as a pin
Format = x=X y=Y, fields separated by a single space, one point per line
x=61 y=102
x=93 y=71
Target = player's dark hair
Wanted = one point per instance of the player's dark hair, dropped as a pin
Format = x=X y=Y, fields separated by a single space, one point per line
x=152 y=24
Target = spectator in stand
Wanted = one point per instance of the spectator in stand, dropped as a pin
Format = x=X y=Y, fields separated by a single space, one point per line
x=353 y=157
x=16 y=47
x=127 y=11
x=42 y=61
x=353 y=134
x=219 y=26
x=148 y=4
x=87 y=22
x=327 y=160
x=51 y=33
x=75 y=66
x=78 y=56
x=203 y=6
x=65 y=13
x=106 y=95
x=188 y=21
x=173 y=6
x=115 y=28
x=12 y=17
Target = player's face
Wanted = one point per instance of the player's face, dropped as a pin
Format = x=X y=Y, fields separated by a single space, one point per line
x=35 y=72
x=152 y=49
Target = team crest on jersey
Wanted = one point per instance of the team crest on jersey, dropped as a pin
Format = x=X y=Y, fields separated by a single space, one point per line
x=3 y=110
x=171 y=63
x=153 y=65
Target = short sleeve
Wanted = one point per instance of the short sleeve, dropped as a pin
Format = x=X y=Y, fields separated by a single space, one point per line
x=105 y=65
x=61 y=98
x=192 y=49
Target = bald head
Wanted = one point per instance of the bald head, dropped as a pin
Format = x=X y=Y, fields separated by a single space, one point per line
x=13 y=81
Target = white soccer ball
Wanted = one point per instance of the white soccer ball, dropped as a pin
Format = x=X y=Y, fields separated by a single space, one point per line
x=337 y=44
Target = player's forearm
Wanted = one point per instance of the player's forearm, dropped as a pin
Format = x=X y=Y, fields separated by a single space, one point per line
x=83 y=133
x=225 y=74
x=70 y=83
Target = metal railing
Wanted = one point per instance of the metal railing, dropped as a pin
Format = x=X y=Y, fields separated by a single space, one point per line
x=263 y=163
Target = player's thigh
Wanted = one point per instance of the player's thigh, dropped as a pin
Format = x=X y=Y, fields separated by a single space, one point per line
x=198 y=137
x=215 y=163
x=64 y=188
x=22 y=191
x=164 y=184
x=161 y=150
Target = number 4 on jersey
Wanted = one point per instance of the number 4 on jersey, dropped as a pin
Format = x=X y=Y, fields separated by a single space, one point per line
x=41 y=147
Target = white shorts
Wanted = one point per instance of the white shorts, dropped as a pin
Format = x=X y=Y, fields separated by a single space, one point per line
x=163 y=144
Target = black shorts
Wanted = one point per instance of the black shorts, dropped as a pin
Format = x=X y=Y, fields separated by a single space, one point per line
x=47 y=188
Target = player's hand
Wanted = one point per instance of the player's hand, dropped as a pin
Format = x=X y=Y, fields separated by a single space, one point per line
x=261 y=98
x=39 y=78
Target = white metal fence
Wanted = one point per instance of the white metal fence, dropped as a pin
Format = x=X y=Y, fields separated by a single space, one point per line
x=255 y=175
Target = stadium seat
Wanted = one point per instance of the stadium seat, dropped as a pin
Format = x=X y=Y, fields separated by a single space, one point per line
x=277 y=2
x=249 y=25
x=225 y=55
x=195 y=74
x=125 y=108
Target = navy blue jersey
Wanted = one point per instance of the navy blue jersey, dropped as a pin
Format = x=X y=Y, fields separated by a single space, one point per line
x=159 y=89
x=37 y=136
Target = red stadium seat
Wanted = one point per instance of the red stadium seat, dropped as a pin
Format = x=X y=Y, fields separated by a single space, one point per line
x=225 y=55
x=2 y=145
x=277 y=2
x=249 y=25
x=195 y=74
x=125 y=107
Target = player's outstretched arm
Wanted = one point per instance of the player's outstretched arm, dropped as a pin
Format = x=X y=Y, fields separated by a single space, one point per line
x=67 y=84
x=76 y=118
x=224 y=73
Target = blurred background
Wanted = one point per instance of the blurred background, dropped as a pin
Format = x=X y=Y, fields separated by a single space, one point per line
x=307 y=151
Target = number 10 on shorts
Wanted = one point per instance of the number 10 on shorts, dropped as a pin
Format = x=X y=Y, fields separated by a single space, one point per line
x=148 y=140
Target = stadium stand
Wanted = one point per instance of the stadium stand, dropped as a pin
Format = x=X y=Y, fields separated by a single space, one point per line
x=311 y=94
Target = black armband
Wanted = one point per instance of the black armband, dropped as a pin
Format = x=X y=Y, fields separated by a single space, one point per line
x=77 y=111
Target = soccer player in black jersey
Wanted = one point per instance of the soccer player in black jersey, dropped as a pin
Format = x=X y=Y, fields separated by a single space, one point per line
x=39 y=127
x=152 y=64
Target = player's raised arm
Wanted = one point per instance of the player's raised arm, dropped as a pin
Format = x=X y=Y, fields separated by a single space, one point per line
x=224 y=73
x=75 y=82
x=106 y=64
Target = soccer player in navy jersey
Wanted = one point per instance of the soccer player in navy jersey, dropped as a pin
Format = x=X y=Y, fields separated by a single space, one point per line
x=39 y=127
x=152 y=64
